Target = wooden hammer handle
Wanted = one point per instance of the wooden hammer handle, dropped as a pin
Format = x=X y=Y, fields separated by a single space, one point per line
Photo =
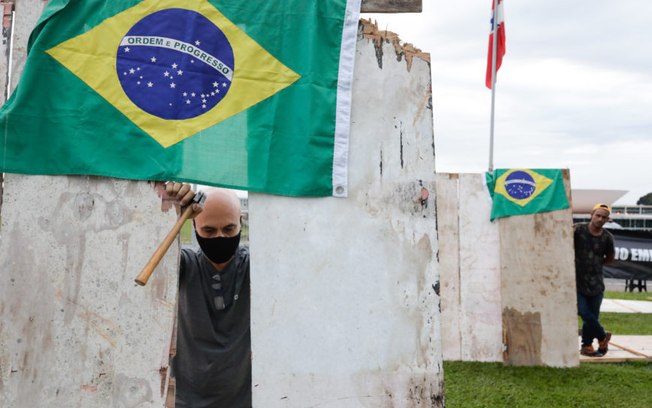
x=153 y=262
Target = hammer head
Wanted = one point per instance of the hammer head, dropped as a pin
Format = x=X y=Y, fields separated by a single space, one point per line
x=199 y=198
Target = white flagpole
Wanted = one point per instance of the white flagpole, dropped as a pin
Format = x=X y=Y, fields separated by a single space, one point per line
x=494 y=48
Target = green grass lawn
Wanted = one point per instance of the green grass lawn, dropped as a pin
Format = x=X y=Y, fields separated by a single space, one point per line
x=613 y=385
x=627 y=324
x=628 y=295
x=488 y=385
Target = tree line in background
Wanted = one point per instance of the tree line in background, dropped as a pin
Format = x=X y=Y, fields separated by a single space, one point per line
x=645 y=200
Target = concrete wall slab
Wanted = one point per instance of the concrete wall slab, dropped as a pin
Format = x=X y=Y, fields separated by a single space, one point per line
x=345 y=310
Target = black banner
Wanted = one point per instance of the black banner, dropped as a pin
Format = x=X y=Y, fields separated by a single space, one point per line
x=633 y=255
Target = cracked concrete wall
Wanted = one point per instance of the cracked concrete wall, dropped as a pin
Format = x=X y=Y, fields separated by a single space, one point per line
x=75 y=330
x=345 y=303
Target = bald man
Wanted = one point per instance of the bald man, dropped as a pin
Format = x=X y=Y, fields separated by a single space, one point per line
x=594 y=246
x=212 y=366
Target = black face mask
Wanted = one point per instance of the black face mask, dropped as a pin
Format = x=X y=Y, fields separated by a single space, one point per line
x=220 y=249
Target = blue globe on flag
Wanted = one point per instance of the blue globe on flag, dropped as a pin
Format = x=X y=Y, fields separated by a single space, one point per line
x=175 y=64
x=520 y=185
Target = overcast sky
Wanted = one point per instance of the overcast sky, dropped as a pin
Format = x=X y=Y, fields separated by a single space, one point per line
x=574 y=90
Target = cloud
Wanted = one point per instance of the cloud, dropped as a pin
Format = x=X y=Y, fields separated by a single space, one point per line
x=575 y=88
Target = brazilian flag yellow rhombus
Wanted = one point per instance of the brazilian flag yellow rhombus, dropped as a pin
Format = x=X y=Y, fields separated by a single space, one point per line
x=174 y=68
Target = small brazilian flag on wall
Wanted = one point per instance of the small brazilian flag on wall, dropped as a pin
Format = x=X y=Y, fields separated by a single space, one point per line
x=525 y=191
x=245 y=94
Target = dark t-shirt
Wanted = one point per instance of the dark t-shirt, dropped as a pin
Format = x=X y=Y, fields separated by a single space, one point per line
x=590 y=252
x=212 y=366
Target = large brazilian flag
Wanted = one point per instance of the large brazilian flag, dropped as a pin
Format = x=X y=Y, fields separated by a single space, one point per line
x=525 y=191
x=245 y=94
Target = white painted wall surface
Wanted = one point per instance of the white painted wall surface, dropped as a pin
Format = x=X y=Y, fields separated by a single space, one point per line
x=344 y=308
x=75 y=330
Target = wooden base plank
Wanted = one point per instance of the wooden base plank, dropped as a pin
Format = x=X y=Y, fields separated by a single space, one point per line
x=624 y=348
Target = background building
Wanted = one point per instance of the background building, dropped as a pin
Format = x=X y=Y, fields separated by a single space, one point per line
x=631 y=217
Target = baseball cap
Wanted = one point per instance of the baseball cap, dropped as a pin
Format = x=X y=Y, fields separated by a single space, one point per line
x=601 y=206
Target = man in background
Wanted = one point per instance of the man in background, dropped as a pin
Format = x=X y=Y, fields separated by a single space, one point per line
x=594 y=246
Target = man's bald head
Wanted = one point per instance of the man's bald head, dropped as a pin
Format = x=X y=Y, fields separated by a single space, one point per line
x=222 y=197
x=220 y=216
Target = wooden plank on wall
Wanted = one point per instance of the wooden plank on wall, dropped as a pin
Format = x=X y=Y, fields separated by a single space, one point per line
x=470 y=270
x=391 y=6
x=6 y=9
x=479 y=273
x=538 y=288
x=449 y=264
